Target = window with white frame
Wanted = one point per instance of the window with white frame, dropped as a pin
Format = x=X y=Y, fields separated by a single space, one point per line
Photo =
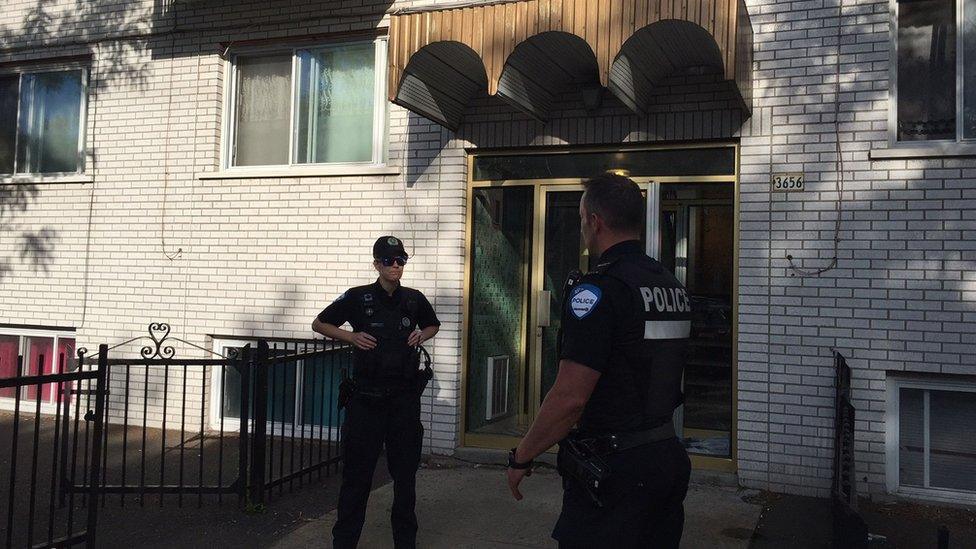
x=42 y=120
x=305 y=106
x=32 y=352
x=301 y=393
x=930 y=448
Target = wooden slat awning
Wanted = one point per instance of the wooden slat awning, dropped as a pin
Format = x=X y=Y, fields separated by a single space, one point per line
x=527 y=51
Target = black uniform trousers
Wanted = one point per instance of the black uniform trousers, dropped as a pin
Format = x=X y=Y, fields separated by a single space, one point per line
x=643 y=501
x=370 y=423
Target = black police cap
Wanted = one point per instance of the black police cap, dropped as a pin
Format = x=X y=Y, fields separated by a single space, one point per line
x=388 y=246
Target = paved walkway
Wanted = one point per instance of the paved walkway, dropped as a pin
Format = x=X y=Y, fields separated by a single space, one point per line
x=470 y=507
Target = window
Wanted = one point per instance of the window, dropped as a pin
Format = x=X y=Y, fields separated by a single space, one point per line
x=931 y=451
x=301 y=393
x=935 y=78
x=41 y=352
x=42 y=121
x=322 y=105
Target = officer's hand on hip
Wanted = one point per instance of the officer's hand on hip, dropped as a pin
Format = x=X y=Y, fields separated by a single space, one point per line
x=515 y=477
x=416 y=338
x=364 y=341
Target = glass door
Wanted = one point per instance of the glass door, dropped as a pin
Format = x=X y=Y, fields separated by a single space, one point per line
x=498 y=374
x=696 y=243
x=562 y=251
x=525 y=241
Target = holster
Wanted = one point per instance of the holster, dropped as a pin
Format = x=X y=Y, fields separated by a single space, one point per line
x=347 y=390
x=426 y=374
x=577 y=463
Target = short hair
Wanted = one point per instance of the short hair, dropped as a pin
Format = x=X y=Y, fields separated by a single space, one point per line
x=617 y=200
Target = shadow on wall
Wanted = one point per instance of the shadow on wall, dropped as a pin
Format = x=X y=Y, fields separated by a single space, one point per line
x=115 y=38
x=216 y=25
x=119 y=35
x=34 y=248
x=260 y=321
x=58 y=29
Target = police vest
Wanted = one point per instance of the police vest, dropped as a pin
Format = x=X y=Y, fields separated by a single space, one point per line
x=653 y=339
x=392 y=361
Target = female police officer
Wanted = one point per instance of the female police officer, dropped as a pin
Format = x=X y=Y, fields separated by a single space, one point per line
x=388 y=323
x=625 y=331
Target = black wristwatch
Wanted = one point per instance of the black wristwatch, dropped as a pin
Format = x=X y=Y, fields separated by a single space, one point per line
x=512 y=464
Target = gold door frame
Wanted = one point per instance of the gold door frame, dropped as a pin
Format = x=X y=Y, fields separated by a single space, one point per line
x=540 y=188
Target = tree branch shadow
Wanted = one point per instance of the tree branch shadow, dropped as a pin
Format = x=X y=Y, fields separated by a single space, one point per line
x=37 y=248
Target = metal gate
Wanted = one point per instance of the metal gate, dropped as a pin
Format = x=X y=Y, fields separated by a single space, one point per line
x=155 y=429
x=41 y=451
x=202 y=429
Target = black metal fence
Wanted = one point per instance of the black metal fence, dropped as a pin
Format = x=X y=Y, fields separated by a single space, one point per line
x=158 y=440
x=294 y=414
x=254 y=421
x=260 y=418
x=42 y=449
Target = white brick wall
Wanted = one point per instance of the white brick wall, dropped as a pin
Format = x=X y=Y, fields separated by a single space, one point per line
x=261 y=256
x=900 y=299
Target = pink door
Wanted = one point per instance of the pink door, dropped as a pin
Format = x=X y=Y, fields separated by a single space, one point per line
x=9 y=345
x=40 y=358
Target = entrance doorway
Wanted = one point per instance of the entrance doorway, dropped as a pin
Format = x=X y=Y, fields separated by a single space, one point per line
x=525 y=239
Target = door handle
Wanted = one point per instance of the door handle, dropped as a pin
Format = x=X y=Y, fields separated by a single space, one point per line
x=542 y=306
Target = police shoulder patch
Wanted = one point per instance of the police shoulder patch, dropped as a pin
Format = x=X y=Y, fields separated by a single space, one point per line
x=584 y=300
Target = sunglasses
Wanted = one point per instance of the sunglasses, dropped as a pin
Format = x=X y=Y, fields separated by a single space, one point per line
x=389 y=261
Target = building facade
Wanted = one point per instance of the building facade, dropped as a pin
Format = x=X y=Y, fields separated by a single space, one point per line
x=225 y=167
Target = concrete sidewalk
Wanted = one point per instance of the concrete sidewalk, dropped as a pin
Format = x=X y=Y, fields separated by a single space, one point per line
x=471 y=507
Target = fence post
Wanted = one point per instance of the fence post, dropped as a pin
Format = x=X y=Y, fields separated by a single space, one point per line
x=68 y=390
x=259 y=444
x=243 y=366
x=96 y=462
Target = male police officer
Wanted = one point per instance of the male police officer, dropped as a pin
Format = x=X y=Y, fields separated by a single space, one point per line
x=388 y=322
x=625 y=331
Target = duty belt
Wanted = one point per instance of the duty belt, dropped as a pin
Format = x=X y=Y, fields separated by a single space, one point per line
x=381 y=392
x=608 y=444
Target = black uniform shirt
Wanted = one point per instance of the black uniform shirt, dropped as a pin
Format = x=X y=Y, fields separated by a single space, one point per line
x=612 y=324
x=353 y=306
x=389 y=319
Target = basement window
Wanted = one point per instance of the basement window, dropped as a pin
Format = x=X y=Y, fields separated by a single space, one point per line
x=930 y=448
x=34 y=352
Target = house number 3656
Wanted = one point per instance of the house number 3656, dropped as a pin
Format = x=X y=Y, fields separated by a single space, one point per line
x=787 y=181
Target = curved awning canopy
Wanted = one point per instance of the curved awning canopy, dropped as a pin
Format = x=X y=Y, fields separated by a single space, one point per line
x=526 y=52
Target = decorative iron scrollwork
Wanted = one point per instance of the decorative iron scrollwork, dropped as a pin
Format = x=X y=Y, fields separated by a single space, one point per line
x=158 y=331
x=159 y=349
